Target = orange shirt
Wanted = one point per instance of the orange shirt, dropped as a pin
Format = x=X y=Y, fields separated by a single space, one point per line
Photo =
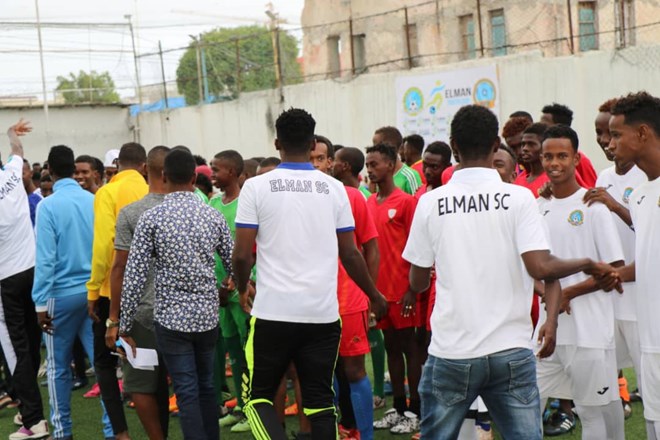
x=351 y=298
x=393 y=218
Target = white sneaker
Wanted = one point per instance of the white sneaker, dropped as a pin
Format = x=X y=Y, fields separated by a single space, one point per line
x=392 y=418
x=408 y=424
x=40 y=430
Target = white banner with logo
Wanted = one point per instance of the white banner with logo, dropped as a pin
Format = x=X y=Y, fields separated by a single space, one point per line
x=426 y=104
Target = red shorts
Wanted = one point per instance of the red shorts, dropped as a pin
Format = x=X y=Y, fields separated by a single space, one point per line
x=395 y=320
x=354 y=328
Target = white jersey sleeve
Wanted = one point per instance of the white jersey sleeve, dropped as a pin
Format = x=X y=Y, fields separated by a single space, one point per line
x=246 y=212
x=419 y=247
x=530 y=233
x=605 y=234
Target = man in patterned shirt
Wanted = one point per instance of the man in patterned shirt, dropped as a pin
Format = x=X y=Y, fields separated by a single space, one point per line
x=182 y=234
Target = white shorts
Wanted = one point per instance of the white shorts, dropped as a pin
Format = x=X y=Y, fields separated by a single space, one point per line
x=628 y=351
x=586 y=375
x=650 y=373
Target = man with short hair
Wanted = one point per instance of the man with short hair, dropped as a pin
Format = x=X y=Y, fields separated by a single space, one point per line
x=485 y=334
x=148 y=389
x=250 y=167
x=504 y=161
x=413 y=146
x=349 y=161
x=64 y=228
x=19 y=329
x=181 y=229
x=512 y=133
x=45 y=185
x=405 y=178
x=560 y=114
x=295 y=315
x=635 y=130
x=323 y=154
x=533 y=177
x=436 y=159
x=126 y=187
x=268 y=164
x=87 y=173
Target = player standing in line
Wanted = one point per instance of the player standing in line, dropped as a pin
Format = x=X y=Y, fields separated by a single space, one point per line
x=533 y=176
x=584 y=364
x=413 y=147
x=504 y=161
x=405 y=178
x=614 y=188
x=227 y=167
x=393 y=210
x=295 y=315
x=635 y=131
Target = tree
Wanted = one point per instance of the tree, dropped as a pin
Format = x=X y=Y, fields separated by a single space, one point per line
x=257 y=70
x=92 y=87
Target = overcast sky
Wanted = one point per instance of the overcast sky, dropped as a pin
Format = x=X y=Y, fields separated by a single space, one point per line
x=167 y=20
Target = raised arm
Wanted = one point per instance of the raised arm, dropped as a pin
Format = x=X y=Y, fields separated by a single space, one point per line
x=21 y=128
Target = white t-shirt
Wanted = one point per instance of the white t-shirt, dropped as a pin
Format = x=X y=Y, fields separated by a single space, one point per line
x=645 y=211
x=298 y=211
x=621 y=188
x=578 y=231
x=17 y=246
x=474 y=229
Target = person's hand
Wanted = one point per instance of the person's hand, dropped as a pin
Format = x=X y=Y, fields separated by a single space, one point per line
x=600 y=195
x=226 y=287
x=45 y=322
x=565 y=305
x=21 y=128
x=129 y=340
x=545 y=191
x=547 y=337
x=111 y=334
x=246 y=298
x=378 y=306
x=606 y=276
x=91 y=310
x=408 y=304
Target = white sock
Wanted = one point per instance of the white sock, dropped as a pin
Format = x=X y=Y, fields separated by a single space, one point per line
x=593 y=423
x=614 y=421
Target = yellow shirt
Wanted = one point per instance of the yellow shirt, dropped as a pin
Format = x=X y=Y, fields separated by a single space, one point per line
x=126 y=187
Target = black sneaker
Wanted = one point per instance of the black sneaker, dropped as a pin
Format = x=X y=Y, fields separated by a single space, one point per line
x=560 y=425
x=635 y=396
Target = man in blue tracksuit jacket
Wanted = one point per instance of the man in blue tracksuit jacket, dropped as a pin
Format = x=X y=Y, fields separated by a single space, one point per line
x=64 y=230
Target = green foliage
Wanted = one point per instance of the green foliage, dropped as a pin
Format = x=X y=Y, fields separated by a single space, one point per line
x=257 y=70
x=92 y=87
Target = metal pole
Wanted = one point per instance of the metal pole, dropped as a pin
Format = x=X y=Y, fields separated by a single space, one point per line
x=137 y=78
x=238 y=66
x=570 y=26
x=199 y=74
x=43 y=74
x=623 y=24
x=205 y=79
x=350 y=30
x=162 y=71
x=481 y=34
x=407 y=27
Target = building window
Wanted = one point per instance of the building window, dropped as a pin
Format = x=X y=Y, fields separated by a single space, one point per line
x=467 y=36
x=334 y=51
x=359 y=53
x=498 y=32
x=412 y=43
x=624 y=13
x=587 y=26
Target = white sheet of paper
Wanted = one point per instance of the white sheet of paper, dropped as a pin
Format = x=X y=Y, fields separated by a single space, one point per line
x=144 y=359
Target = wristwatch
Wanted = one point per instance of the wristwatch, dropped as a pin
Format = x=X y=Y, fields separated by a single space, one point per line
x=109 y=323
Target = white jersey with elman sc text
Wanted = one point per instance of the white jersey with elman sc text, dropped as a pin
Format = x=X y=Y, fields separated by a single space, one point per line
x=475 y=229
x=580 y=231
x=621 y=187
x=645 y=212
x=17 y=246
x=298 y=211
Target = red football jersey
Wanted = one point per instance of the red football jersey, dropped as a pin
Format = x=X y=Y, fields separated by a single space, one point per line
x=533 y=186
x=393 y=218
x=419 y=167
x=585 y=172
x=351 y=298
x=446 y=174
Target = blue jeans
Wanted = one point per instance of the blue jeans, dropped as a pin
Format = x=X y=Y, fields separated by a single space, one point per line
x=189 y=359
x=70 y=319
x=505 y=380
